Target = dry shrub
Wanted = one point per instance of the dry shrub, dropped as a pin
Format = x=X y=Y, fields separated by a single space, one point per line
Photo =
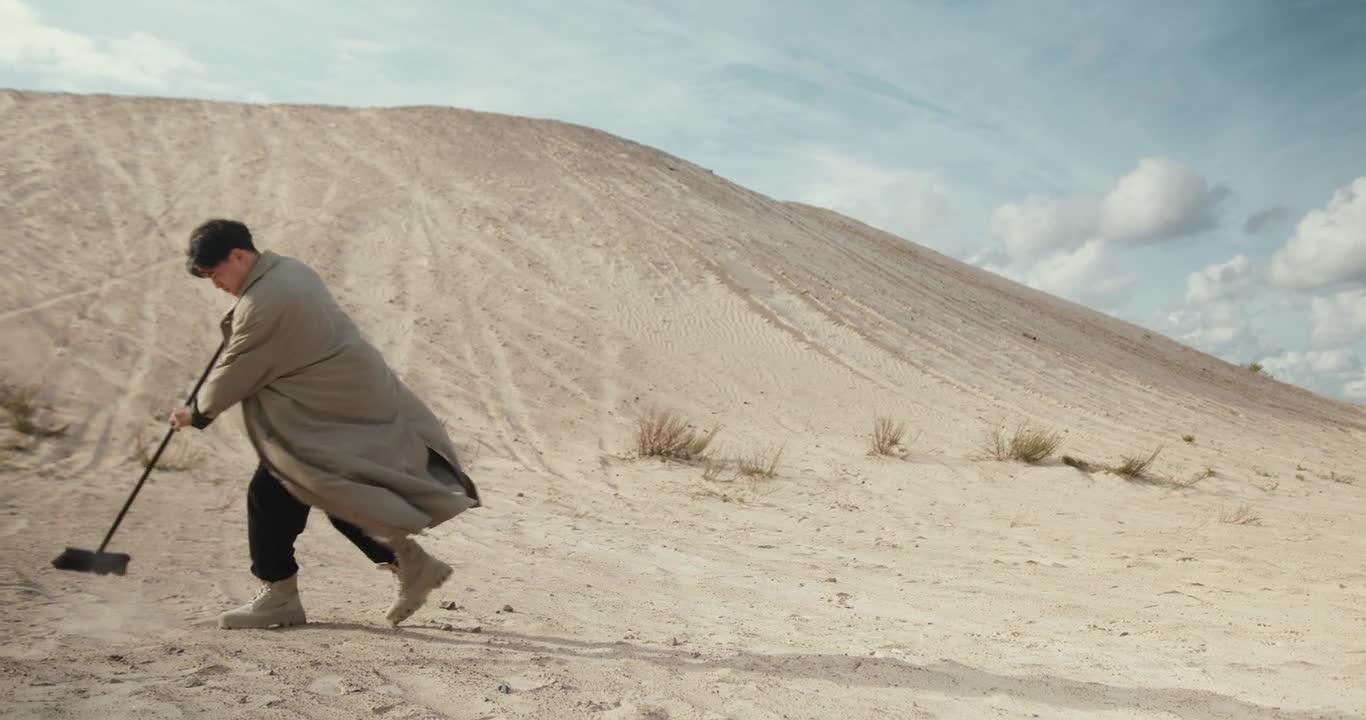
x=1029 y=443
x=667 y=435
x=1242 y=516
x=22 y=408
x=1134 y=467
x=760 y=464
x=887 y=436
x=712 y=469
x=754 y=465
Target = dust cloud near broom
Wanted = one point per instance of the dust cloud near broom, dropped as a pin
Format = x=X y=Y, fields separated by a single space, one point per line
x=741 y=458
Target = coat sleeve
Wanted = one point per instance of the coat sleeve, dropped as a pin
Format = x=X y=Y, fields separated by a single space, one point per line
x=249 y=361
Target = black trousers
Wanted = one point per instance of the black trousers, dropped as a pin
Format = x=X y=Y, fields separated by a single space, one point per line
x=275 y=519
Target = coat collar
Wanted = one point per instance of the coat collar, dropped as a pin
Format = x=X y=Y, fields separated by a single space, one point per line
x=265 y=262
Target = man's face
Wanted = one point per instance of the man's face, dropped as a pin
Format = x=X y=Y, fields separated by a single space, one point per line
x=230 y=274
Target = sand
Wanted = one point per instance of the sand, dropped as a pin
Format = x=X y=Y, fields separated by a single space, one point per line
x=545 y=285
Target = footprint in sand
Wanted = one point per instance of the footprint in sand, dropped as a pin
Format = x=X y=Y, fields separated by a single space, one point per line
x=329 y=685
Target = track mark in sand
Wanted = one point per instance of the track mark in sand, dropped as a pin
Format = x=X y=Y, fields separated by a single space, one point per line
x=764 y=311
x=106 y=284
x=498 y=394
x=510 y=414
x=707 y=260
x=418 y=271
x=430 y=693
x=549 y=363
x=398 y=169
x=514 y=412
x=484 y=386
x=609 y=392
x=137 y=375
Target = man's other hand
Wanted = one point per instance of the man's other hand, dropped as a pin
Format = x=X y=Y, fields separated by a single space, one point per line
x=180 y=418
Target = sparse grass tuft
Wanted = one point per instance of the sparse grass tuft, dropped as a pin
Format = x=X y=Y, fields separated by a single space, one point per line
x=1029 y=444
x=1344 y=479
x=21 y=407
x=1242 y=516
x=711 y=470
x=1135 y=468
x=760 y=464
x=1188 y=438
x=1254 y=366
x=665 y=434
x=753 y=465
x=887 y=437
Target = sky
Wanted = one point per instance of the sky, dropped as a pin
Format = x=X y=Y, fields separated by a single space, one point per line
x=1197 y=168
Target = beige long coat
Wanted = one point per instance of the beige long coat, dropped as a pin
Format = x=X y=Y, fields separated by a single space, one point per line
x=324 y=410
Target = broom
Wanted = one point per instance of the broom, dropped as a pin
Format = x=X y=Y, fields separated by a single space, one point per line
x=99 y=561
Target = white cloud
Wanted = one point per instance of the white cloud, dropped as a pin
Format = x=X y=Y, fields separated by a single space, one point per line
x=1039 y=225
x=1067 y=246
x=1086 y=275
x=1329 y=246
x=902 y=201
x=1355 y=389
x=1328 y=372
x=1221 y=328
x=1339 y=318
x=1324 y=361
x=1161 y=199
x=1219 y=281
x=67 y=58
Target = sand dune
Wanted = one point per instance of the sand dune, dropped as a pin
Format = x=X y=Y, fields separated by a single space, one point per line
x=544 y=285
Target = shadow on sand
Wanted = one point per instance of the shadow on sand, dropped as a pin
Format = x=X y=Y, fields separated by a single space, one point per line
x=945 y=677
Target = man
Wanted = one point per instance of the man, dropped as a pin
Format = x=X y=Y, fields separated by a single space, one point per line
x=332 y=425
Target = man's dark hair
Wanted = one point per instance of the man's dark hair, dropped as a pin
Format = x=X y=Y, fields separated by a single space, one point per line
x=212 y=242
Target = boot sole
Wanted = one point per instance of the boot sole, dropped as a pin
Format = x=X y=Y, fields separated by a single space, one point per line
x=245 y=624
x=433 y=579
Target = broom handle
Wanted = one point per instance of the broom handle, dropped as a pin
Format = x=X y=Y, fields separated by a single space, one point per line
x=152 y=463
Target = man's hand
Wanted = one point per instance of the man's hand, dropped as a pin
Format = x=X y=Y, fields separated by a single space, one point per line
x=180 y=418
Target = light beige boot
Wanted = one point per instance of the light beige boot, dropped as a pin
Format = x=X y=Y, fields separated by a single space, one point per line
x=418 y=575
x=276 y=605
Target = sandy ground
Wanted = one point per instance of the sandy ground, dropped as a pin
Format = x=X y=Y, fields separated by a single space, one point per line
x=544 y=285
